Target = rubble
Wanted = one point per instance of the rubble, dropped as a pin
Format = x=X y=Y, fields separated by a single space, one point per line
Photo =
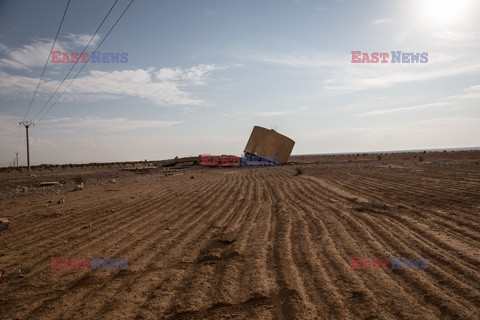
x=49 y=183
x=179 y=162
x=143 y=170
x=4 y=224
x=229 y=235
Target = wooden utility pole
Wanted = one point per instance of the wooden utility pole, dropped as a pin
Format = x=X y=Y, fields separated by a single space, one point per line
x=16 y=158
x=27 y=125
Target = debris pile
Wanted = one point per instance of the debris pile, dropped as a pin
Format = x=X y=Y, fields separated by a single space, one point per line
x=264 y=148
x=4 y=224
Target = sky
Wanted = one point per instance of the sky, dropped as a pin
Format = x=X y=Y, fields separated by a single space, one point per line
x=200 y=74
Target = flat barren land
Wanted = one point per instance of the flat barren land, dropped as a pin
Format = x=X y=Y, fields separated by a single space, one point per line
x=247 y=243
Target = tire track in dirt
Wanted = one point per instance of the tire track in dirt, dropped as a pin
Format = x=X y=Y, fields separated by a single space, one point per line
x=148 y=222
x=173 y=242
x=444 y=191
x=65 y=248
x=296 y=304
x=437 y=193
x=303 y=255
x=319 y=285
x=54 y=234
x=246 y=279
x=355 y=292
x=206 y=261
x=426 y=284
x=425 y=247
x=439 y=244
x=416 y=253
x=420 y=227
x=230 y=282
x=205 y=240
x=75 y=205
x=427 y=214
x=44 y=265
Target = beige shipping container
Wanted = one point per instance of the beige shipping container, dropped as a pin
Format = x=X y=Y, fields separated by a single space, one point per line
x=266 y=143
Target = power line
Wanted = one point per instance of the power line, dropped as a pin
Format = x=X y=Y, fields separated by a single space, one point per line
x=109 y=31
x=46 y=63
x=81 y=55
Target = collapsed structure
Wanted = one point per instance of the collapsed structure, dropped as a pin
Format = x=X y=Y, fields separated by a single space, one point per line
x=267 y=143
x=264 y=147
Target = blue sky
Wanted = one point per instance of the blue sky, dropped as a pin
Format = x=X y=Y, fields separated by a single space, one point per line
x=201 y=74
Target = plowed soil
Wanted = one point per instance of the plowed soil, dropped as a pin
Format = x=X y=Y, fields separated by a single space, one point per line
x=291 y=236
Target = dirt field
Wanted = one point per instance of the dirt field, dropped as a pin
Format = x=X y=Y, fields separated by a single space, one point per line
x=294 y=239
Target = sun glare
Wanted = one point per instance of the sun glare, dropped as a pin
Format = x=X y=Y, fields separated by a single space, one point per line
x=446 y=11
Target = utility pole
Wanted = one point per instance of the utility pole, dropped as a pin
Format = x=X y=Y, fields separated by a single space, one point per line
x=16 y=158
x=27 y=125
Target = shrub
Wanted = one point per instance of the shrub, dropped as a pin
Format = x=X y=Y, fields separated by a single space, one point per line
x=298 y=171
x=78 y=179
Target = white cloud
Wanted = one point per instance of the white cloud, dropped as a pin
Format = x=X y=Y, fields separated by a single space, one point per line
x=273 y=113
x=360 y=77
x=294 y=59
x=163 y=87
x=452 y=36
x=392 y=110
x=382 y=21
x=187 y=110
x=28 y=56
x=338 y=73
x=81 y=40
x=108 y=125
x=35 y=53
x=169 y=74
x=194 y=75
x=468 y=43
x=472 y=92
